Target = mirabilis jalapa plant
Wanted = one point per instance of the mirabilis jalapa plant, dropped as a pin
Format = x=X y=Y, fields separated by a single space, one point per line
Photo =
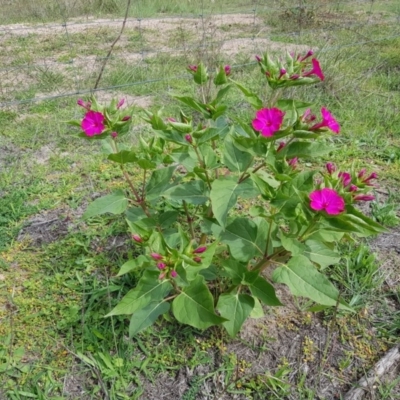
x=221 y=202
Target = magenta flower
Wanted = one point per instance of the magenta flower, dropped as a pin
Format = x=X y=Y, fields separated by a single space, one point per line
x=316 y=70
x=345 y=177
x=93 y=123
x=330 y=167
x=327 y=200
x=200 y=250
x=328 y=121
x=364 y=197
x=227 y=70
x=268 y=121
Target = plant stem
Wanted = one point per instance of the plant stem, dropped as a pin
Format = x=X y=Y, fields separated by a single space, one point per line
x=189 y=220
x=244 y=176
x=203 y=165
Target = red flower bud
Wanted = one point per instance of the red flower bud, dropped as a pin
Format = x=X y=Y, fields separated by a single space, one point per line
x=174 y=274
x=280 y=146
x=126 y=118
x=114 y=135
x=200 y=250
x=137 y=238
x=281 y=73
x=188 y=138
x=227 y=70
x=120 y=103
x=156 y=256
x=353 y=188
x=258 y=58
x=192 y=68
x=161 y=265
x=84 y=104
x=364 y=197
x=330 y=167
x=197 y=259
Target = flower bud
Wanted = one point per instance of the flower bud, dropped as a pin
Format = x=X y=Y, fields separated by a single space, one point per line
x=162 y=276
x=364 y=197
x=330 y=167
x=200 y=250
x=345 y=177
x=171 y=119
x=173 y=274
x=120 y=103
x=353 y=188
x=197 y=259
x=362 y=173
x=84 y=104
x=227 y=70
x=294 y=77
x=293 y=162
x=114 y=135
x=156 y=256
x=374 y=175
x=137 y=238
x=309 y=54
x=280 y=146
x=281 y=73
x=188 y=138
x=126 y=118
x=192 y=68
x=161 y=265
x=258 y=58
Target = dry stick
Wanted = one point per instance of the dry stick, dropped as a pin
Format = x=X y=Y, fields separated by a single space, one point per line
x=382 y=367
x=112 y=46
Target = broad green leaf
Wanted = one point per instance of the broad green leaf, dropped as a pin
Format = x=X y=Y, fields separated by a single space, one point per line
x=159 y=182
x=195 y=306
x=200 y=76
x=236 y=160
x=146 y=164
x=257 y=311
x=235 y=270
x=193 y=192
x=146 y=316
x=221 y=94
x=167 y=218
x=241 y=237
x=304 y=150
x=133 y=264
x=115 y=203
x=195 y=105
x=251 y=97
x=184 y=157
x=320 y=253
x=235 y=308
x=292 y=245
x=123 y=157
x=289 y=104
x=261 y=289
x=149 y=289
x=303 y=279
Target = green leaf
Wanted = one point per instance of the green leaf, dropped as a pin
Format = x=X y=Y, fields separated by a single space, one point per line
x=236 y=160
x=123 y=157
x=115 y=203
x=206 y=259
x=159 y=182
x=195 y=306
x=257 y=311
x=304 y=150
x=321 y=254
x=251 y=97
x=261 y=289
x=146 y=164
x=200 y=76
x=195 y=105
x=149 y=289
x=304 y=280
x=146 y=316
x=193 y=192
x=235 y=308
x=235 y=270
x=133 y=264
x=289 y=104
x=241 y=237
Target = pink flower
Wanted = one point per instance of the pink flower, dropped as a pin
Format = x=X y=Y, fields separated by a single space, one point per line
x=364 y=197
x=93 y=123
x=156 y=256
x=327 y=200
x=345 y=177
x=227 y=70
x=173 y=274
x=330 y=167
x=120 y=103
x=268 y=121
x=137 y=238
x=328 y=121
x=200 y=250
x=83 y=104
x=316 y=70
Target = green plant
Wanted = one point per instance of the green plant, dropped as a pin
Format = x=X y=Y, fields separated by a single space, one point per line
x=385 y=213
x=203 y=257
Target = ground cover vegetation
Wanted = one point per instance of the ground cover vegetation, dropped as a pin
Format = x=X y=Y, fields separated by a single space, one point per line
x=58 y=271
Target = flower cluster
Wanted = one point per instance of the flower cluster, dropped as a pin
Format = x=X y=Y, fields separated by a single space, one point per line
x=296 y=70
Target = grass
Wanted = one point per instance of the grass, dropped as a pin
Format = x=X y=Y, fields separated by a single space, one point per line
x=57 y=283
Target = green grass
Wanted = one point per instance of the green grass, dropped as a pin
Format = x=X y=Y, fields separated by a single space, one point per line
x=55 y=295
